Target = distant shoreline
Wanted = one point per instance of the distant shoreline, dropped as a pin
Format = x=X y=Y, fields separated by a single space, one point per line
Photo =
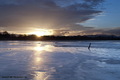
x=7 y=36
x=59 y=40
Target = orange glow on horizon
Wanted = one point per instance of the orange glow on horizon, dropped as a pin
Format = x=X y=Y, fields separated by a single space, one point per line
x=42 y=32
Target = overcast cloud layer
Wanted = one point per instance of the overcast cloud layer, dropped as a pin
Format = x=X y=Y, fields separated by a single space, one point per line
x=62 y=15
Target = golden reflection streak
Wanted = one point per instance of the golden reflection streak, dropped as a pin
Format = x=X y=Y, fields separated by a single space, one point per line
x=38 y=61
x=43 y=48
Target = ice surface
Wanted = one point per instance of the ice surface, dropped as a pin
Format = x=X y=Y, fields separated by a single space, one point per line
x=59 y=60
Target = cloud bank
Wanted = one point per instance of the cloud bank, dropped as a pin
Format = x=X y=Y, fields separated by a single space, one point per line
x=48 y=14
x=62 y=16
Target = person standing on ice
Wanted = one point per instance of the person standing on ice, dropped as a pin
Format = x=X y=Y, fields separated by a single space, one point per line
x=89 y=46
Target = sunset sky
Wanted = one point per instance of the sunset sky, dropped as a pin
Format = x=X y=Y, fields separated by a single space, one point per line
x=60 y=17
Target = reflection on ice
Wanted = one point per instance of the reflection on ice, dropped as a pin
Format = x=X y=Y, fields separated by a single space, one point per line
x=40 y=47
x=40 y=75
x=40 y=63
x=60 y=61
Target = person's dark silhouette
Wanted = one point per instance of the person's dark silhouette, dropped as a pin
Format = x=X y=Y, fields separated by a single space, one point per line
x=89 y=46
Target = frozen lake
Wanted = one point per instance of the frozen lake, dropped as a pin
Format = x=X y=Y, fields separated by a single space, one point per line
x=59 y=60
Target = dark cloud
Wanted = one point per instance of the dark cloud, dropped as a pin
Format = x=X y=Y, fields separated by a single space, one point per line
x=89 y=31
x=48 y=14
x=107 y=31
x=113 y=31
x=61 y=32
x=72 y=29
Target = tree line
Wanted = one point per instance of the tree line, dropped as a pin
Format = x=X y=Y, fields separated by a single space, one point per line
x=8 y=36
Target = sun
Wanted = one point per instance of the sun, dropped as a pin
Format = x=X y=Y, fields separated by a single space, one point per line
x=41 y=32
